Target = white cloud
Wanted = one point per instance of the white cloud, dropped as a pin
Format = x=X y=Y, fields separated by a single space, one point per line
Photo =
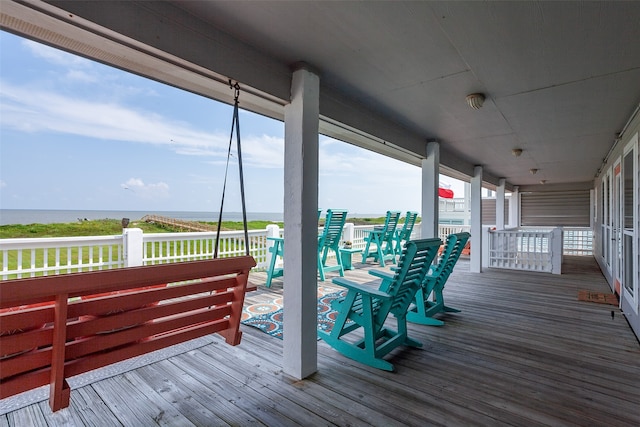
x=30 y=110
x=2 y=184
x=81 y=76
x=40 y=111
x=146 y=191
x=55 y=56
x=262 y=151
x=347 y=160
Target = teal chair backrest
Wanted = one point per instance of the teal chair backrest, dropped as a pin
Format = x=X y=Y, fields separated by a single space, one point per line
x=412 y=268
x=333 y=225
x=390 y=225
x=447 y=261
x=407 y=228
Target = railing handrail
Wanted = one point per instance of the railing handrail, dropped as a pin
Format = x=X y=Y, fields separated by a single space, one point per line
x=49 y=242
x=199 y=234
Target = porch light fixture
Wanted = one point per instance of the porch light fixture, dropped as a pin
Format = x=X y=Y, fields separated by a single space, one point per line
x=533 y=171
x=516 y=152
x=475 y=100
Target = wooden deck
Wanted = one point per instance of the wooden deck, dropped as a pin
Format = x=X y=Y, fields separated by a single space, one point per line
x=524 y=352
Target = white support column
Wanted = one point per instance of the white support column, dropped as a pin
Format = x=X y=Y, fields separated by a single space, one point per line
x=301 y=225
x=430 y=184
x=514 y=208
x=500 y=203
x=476 y=220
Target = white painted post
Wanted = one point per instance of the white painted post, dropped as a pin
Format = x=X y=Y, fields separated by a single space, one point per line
x=476 y=221
x=272 y=231
x=556 y=250
x=430 y=184
x=132 y=244
x=348 y=233
x=486 y=247
x=500 y=190
x=301 y=117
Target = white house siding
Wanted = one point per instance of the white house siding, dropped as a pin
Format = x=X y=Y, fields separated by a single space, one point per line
x=621 y=260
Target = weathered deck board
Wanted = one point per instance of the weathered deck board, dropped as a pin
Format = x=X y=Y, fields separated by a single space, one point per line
x=523 y=351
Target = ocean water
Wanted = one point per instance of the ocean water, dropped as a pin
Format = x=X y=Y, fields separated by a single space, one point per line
x=43 y=216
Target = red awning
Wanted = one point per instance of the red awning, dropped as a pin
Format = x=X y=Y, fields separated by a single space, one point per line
x=445 y=193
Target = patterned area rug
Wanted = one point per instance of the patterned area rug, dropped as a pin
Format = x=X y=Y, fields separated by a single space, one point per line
x=268 y=316
x=598 y=297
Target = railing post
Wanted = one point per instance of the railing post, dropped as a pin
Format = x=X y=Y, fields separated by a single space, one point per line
x=487 y=242
x=556 y=250
x=132 y=247
x=272 y=231
x=348 y=232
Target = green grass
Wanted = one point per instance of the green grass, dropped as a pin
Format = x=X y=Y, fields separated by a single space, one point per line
x=110 y=227
x=104 y=227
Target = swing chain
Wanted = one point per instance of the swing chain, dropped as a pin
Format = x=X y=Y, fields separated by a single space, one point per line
x=235 y=126
x=236 y=87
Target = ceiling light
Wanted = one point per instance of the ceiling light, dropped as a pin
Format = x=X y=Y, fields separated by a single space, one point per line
x=516 y=152
x=533 y=171
x=475 y=100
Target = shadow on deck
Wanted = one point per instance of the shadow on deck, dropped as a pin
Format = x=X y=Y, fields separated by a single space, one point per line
x=523 y=351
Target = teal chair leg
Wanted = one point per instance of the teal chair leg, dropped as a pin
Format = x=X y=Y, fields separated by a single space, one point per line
x=273 y=271
x=384 y=249
x=320 y=268
x=322 y=264
x=365 y=253
x=422 y=313
x=380 y=255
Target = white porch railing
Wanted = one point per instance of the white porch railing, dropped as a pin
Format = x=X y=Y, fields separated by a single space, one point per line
x=577 y=241
x=160 y=248
x=445 y=230
x=55 y=255
x=518 y=249
x=524 y=249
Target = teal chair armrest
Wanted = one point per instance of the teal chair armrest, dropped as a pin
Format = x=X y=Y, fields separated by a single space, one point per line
x=357 y=287
x=384 y=275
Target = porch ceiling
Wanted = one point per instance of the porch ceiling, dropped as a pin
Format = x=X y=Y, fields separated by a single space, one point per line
x=561 y=78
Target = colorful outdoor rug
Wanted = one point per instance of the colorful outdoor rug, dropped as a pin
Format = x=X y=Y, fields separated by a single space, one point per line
x=598 y=297
x=268 y=316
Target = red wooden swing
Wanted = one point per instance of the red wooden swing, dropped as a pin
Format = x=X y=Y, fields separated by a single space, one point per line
x=48 y=335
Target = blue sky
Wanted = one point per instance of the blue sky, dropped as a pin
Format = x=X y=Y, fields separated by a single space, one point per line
x=76 y=134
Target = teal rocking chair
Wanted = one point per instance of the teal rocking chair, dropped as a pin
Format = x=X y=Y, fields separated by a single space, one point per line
x=367 y=308
x=383 y=239
x=429 y=299
x=404 y=235
x=329 y=240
